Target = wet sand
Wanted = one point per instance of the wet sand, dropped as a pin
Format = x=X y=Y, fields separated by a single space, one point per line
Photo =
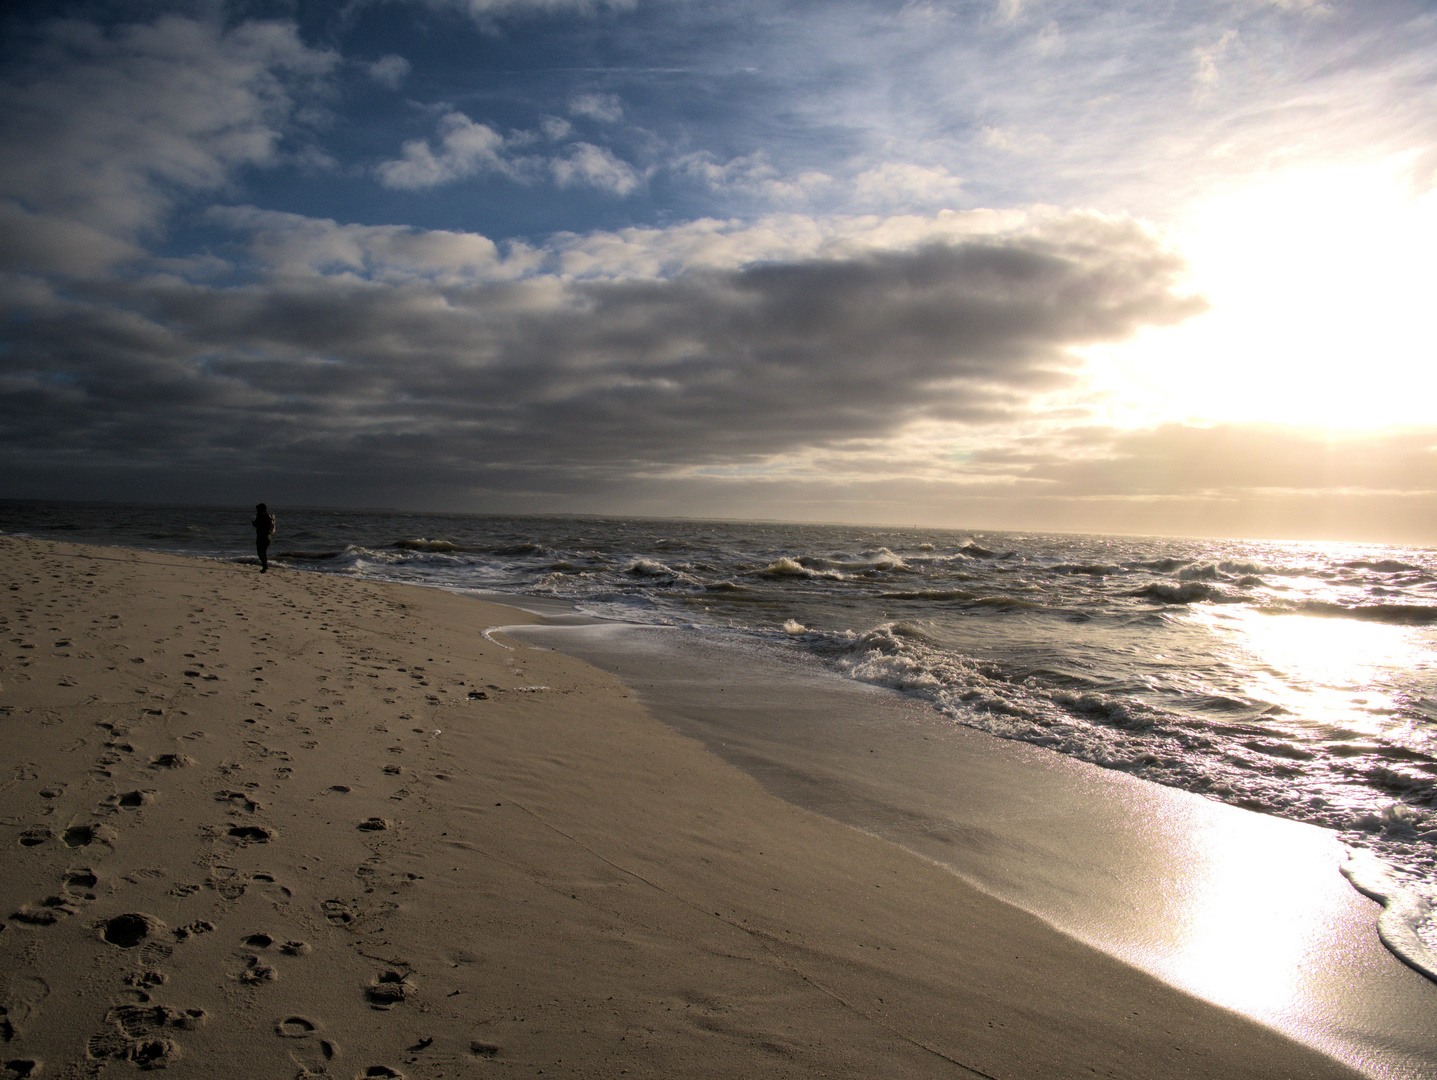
x=1246 y=910
x=296 y=825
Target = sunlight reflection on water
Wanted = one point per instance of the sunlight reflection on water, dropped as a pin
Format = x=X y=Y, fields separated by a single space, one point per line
x=1333 y=673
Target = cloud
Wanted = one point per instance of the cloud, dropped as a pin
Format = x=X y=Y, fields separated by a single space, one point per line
x=467 y=149
x=895 y=184
x=105 y=129
x=596 y=167
x=888 y=186
x=604 y=107
x=423 y=355
x=389 y=71
x=484 y=10
x=464 y=149
x=1234 y=460
x=291 y=245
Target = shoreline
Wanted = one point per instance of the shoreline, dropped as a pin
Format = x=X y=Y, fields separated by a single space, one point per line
x=310 y=825
x=1246 y=910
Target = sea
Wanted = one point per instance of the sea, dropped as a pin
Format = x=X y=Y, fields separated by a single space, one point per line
x=1297 y=679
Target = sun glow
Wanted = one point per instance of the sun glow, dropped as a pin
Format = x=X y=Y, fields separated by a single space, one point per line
x=1321 y=284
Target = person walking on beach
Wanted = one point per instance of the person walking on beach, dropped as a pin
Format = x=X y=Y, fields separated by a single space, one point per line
x=263 y=530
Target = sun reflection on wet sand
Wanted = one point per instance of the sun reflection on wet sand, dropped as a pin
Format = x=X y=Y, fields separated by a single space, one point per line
x=1245 y=910
x=1256 y=917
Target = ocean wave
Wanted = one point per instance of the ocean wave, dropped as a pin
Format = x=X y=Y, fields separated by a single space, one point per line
x=864 y=561
x=1401 y=782
x=1395 y=614
x=1408 y=923
x=1129 y=714
x=520 y=549
x=1006 y=603
x=1241 y=566
x=1160 y=566
x=1381 y=566
x=784 y=566
x=1089 y=569
x=727 y=587
x=650 y=568
x=976 y=551
x=1192 y=592
x=1202 y=572
x=930 y=594
x=421 y=544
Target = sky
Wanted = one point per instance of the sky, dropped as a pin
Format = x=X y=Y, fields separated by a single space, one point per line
x=1120 y=266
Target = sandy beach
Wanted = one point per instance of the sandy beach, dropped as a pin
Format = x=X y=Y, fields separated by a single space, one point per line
x=290 y=824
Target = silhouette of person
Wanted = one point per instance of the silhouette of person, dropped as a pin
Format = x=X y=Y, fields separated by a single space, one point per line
x=263 y=530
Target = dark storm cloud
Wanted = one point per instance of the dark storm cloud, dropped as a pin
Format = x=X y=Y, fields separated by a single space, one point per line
x=417 y=377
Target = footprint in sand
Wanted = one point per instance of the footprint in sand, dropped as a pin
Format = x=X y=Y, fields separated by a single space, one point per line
x=338 y=912
x=78 y=836
x=131 y=929
x=255 y=971
x=132 y=800
x=144 y=981
x=189 y=930
x=139 y=1034
x=238 y=799
x=389 y=988
x=47 y=912
x=222 y=880
x=269 y=886
x=172 y=761
x=80 y=883
x=311 y=1053
x=22 y=1002
x=251 y=834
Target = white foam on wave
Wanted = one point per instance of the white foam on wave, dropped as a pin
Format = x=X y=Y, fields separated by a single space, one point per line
x=1408 y=923
x=784 y=566
x=424 y=544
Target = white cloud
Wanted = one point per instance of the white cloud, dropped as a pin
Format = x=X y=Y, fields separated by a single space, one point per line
x=464 y=149
x=894 y=184
x=1209 y=57
x=1013 y=141
x=597 y=167
x=1010 y=10
x=605 y=107
x=105 y=129
x=389 y=71
x=293 y=245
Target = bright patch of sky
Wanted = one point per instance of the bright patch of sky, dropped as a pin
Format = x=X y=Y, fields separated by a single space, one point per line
x=1028 y=263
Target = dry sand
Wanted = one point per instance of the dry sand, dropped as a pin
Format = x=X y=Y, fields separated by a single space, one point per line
x=289 y=824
